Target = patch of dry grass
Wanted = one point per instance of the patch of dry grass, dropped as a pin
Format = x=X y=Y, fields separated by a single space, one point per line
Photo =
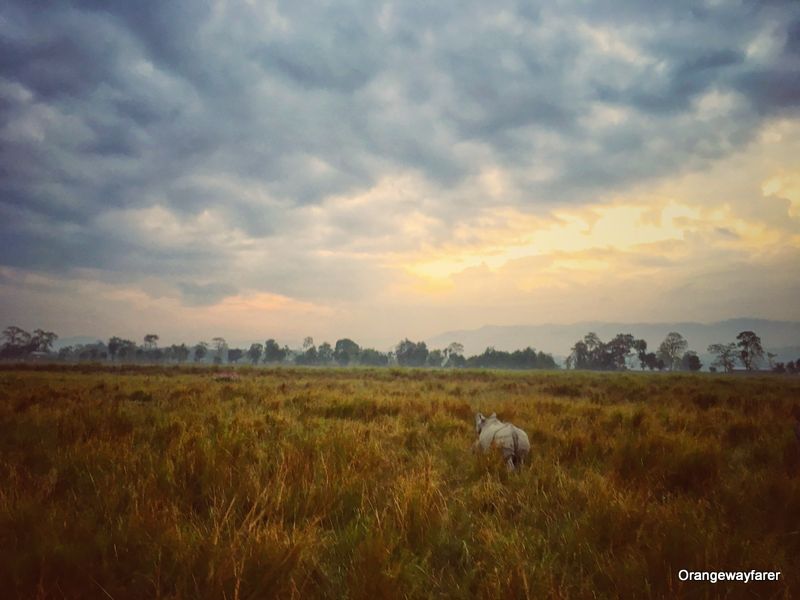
x=359 y=483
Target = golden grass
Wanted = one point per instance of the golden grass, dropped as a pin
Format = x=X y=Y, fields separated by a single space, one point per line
x=359 y=483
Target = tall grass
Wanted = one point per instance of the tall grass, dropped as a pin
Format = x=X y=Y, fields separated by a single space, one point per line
x=360 y=483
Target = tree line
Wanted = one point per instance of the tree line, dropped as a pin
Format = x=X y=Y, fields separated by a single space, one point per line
x=748 y=352
x=20 y=345
x=620 y=353
x=592 y=353
x=673 y=354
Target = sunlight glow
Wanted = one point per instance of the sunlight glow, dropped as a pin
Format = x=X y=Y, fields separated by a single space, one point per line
x=619 y=227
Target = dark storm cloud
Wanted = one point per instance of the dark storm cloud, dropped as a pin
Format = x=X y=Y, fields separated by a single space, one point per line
x=793 y=38
x=116 y=106
x=771 y=90
x=675 y=91
x=35 y=241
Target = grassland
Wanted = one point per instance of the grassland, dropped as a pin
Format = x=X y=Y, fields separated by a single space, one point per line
x=159 y=483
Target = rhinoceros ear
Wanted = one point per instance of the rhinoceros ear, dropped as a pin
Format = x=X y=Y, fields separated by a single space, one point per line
x=493 y=416
x=479 y=419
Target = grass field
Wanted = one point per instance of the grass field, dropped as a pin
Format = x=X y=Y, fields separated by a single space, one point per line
x=162 y=483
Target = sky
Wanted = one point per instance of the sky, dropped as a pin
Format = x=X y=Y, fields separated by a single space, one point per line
x=377 y=170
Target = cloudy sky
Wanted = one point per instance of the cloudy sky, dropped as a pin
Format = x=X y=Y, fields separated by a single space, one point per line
x=385 y=169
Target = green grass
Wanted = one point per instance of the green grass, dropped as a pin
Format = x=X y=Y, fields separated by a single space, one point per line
x=359 y=483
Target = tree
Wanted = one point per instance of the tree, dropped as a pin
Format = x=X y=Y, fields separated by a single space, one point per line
x=453 y=349
x=373 y=358
x=454 y=355
x=127 y=350
x=457 y=361
x=592 y=341
x=592 y=353
x=91 y=352
x=114 y=345
x=411 y=354
x=221 y=346
x=640 y=346
x=16 y=336
x=150 y=341
x=750 y=349
x=179 y=353
x=791 y=367
x=43 y=340
x=545 y=361
x=309 y=357
x=200 y=351
x=651 y=361
x=17 y=342
x=255 y=352
x=273 y=353
x=527 y=358
x=671 y=349
x=691 y=362
x=579 y=356
x=598 y=353
x=771 y=359
x=325 y=353
x=725 y=356
x=435 y=358
x=619 y=349
x=235 y=354
x=346 y=351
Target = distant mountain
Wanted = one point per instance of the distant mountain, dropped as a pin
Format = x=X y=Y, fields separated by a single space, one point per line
x=781 y=337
